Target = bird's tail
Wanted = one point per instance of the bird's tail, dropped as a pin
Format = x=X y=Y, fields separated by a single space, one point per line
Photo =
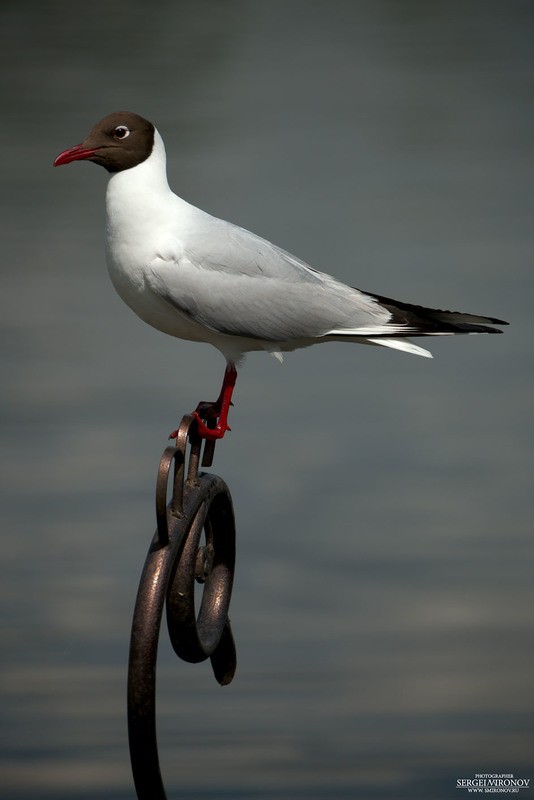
x=421 y=321
x=412 y=320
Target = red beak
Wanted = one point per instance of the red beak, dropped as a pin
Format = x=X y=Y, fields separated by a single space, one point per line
x=77 y=153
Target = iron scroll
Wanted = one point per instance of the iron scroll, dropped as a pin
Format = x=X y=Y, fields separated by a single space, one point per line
x=200 y=505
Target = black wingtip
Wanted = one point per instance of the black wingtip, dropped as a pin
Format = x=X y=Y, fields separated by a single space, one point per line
x=486 y=329
x=433 y=321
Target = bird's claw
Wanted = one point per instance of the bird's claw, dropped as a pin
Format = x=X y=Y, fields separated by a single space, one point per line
x=210 y=433
x=209 y=425
x=212 y=418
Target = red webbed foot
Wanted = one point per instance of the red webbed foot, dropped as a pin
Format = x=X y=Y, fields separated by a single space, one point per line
x=206 y=431
x=212 y=418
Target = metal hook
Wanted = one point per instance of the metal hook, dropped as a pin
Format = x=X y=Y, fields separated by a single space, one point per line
x=200 y=502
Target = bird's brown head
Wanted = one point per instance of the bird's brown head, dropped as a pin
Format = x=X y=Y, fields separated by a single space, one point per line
x=119 y=141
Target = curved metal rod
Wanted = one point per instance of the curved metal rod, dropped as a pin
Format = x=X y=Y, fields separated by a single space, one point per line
x=199 y=503
x=195 y=638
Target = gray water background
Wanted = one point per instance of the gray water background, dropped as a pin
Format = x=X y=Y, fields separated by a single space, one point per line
x=383 y=597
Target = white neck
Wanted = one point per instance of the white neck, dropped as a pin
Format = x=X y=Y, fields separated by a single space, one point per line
x=139 y=199
x=143 y=214
x=150 y=174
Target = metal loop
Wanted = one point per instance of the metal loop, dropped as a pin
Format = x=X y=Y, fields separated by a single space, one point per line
x=200 y=502
x=195 y=638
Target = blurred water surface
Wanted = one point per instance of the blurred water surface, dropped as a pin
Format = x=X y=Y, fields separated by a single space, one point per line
x=383 y=600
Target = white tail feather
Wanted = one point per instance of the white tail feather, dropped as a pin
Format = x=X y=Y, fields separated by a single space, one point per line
x=402 y=344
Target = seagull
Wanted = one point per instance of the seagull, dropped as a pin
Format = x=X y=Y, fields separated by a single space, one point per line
x=197 y=277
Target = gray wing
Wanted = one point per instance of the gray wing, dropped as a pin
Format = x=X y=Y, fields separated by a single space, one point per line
x=235 y=282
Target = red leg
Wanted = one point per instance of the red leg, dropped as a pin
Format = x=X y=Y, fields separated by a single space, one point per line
x=212 y=418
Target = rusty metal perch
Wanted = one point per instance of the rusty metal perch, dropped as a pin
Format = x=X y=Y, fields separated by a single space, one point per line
x=175 y=560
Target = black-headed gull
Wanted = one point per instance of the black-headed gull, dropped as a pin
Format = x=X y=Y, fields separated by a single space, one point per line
x=197 y=277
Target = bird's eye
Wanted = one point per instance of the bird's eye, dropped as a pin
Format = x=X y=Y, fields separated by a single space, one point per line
x=121 y=132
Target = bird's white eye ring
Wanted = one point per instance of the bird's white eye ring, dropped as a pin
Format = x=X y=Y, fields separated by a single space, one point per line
x=121 y=132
